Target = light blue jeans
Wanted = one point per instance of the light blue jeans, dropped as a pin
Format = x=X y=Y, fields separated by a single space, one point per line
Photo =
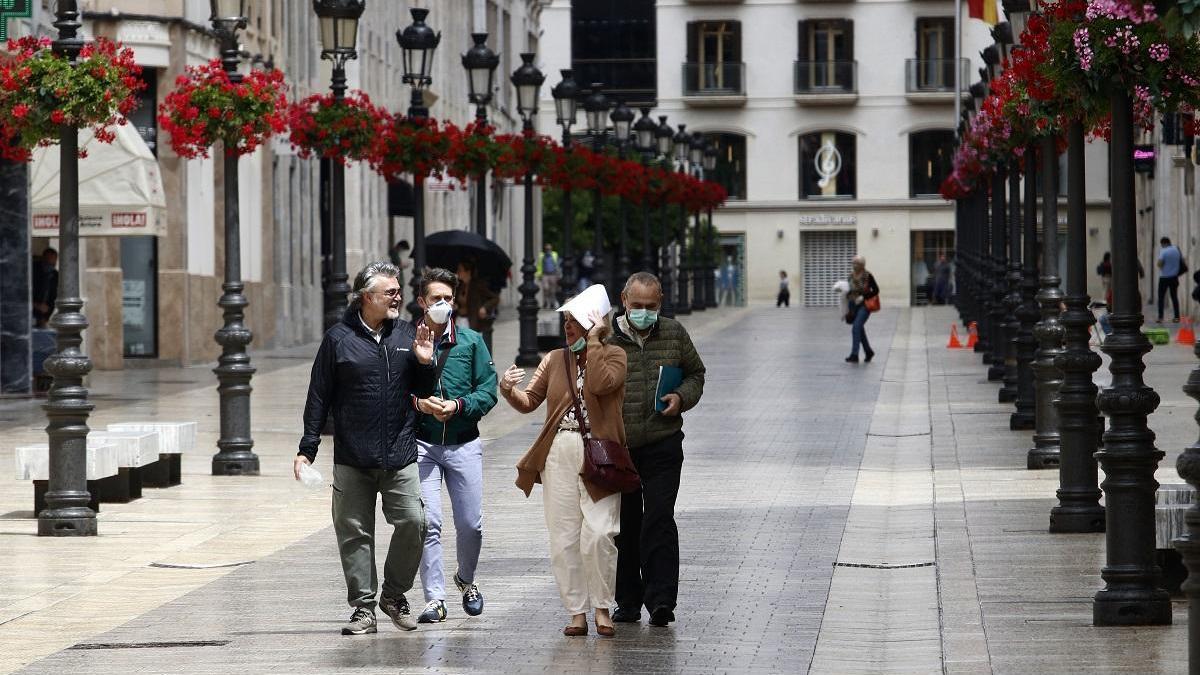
x=461 y=467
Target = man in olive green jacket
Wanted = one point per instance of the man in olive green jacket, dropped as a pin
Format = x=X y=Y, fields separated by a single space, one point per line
x=648 y=546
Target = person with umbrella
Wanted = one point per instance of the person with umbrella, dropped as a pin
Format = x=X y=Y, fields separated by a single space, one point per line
x=477 y=301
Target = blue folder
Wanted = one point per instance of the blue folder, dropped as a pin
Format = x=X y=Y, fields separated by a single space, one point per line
x=669 y=379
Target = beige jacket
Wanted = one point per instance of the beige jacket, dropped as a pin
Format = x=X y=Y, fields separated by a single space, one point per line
x=603 y=394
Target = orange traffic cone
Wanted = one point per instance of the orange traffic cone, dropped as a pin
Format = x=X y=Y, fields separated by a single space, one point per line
x=1186 y=335
x=954 y=343
x=972 y=335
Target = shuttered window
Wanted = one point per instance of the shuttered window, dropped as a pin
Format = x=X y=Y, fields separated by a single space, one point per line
x=826 y=258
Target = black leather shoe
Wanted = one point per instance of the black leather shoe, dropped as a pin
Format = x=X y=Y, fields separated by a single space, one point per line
x=852 y=358
x=623 y=615
x=870 y=355
x=661 y=616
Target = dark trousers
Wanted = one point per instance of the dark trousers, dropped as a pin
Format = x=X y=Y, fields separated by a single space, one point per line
x=782 y=300
x=648 y=546
x=1165 y=285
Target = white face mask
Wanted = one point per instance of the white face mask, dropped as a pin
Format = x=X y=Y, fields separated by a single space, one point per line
x=439 y=312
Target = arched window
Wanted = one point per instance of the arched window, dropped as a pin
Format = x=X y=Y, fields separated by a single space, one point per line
x=827 y=166
x=930 y=158
x=731 y=163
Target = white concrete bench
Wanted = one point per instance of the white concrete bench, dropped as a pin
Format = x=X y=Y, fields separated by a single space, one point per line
x=137 y=452
x=1171 y=502
x=174 y=439
x=33 y=464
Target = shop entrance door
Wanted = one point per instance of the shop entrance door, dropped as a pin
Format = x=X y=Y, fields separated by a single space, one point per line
x=826 y=259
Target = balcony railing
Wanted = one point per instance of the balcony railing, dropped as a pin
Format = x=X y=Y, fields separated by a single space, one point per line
x=826 y=77
x=935 y=75
x=714 y=79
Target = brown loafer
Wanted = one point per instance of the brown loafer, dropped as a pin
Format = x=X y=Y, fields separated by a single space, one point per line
x=605 y=631
x=575 y=631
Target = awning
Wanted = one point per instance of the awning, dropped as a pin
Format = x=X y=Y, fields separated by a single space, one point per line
x=120 y=188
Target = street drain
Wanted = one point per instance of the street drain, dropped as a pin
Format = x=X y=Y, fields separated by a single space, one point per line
x=150 y=645
x=199 y=566
x=884 y=566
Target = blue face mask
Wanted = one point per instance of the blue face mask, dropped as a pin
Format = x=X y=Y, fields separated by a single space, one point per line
x=642 y=319
x=579 y=345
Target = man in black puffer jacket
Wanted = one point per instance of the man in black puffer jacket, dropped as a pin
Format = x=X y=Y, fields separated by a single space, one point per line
x=648 y=546
x=367 y=370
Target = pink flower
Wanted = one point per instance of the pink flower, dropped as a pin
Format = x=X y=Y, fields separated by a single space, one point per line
x=1160 y=52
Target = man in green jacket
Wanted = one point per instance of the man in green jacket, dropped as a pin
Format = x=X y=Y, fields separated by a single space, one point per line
x=448 y=446
x=648 y=546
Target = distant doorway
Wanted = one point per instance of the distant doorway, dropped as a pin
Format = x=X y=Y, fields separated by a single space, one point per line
x=826 y=260
x=731 y=275
x=139 y=296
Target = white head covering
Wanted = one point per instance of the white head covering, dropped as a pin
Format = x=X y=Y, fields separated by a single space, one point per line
x=593 y=299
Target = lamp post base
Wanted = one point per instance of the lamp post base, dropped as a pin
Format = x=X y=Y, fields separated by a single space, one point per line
x=1043 y=458
x=1065 y=520
x=1019 y=421
x=79 y=521
x=1132 y=608
x=995 y=373
x=235 y=464
x=1006 y=396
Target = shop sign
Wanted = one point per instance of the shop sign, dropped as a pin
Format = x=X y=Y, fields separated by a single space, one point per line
x=829 y=219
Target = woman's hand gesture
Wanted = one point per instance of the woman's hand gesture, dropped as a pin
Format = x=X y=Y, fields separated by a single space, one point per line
x=512 y=377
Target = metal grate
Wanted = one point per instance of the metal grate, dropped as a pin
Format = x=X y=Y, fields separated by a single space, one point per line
x=826 y=258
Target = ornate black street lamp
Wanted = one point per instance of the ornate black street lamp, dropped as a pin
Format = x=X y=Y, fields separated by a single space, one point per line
x=234 y=456
x=696 y=158
x=683 y=145
x=980 y=288
x=596 y=106
x=1078 y=508
x=644 y=130
x=338 y=20
x=999 y=256
x=1012 y=298
x=67 y=513
x=1024 y=417
x=1046 y=451
x=480 y=63
x=1133 y=595
x=418 y=42
x=622 y=119
x=710 y=283
x=665 y=137
x=528 y=81
x=566 y=96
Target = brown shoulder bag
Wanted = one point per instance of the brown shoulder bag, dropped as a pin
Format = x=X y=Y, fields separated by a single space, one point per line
x=606 y=464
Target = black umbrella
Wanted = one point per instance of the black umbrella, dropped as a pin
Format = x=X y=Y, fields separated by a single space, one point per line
x=450 y=247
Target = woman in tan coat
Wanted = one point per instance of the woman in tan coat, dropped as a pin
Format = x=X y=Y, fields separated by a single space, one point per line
x=582 y=519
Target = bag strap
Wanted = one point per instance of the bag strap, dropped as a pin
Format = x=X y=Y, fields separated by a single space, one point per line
x=584 y=429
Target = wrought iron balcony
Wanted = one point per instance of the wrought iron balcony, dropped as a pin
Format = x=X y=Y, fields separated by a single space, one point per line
x=714 y=83
x=935 y=76
x=829 y=82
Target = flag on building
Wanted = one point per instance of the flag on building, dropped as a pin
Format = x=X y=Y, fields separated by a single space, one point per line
x=984 y=10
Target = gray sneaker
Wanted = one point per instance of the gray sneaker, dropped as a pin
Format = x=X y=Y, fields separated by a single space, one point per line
x=397 y=609
x=362 y=622
x=435 y=612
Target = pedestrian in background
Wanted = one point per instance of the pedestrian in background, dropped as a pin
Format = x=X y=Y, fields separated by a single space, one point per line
x=400 y=257
x=1104 y=270
x=862 y=299
x=1170 y=267
x=44 y=290
x=582 y=519
x=941 y=280
x=587 y=267
x=785 y=295
x=367 y=370
x=549 y=271
x=448 y=447
x=648 y=546
x=727 y=281
x=476 y=302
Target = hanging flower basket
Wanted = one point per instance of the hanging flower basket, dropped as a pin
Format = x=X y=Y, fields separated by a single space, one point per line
x=472 y=151
x=412 y=146
x=526 y=153
x=206 y=107
x=329 y=129
x=40 y=92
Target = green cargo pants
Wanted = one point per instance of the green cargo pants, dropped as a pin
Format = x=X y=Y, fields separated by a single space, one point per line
x=354 y=492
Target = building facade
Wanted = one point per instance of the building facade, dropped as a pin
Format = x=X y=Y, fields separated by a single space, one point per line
x=153 y=299
x=834 y=123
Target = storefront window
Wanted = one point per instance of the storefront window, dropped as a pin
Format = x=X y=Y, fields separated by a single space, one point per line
x=731 y=163
x=827 y=165
x=932 y=267
x=930 y=156
x=139 y=295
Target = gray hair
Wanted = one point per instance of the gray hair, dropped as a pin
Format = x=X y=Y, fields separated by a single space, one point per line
x=366 y=279
x=643 y=278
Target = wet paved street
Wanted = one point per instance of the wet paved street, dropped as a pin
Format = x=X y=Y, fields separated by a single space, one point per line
x=833 y=519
